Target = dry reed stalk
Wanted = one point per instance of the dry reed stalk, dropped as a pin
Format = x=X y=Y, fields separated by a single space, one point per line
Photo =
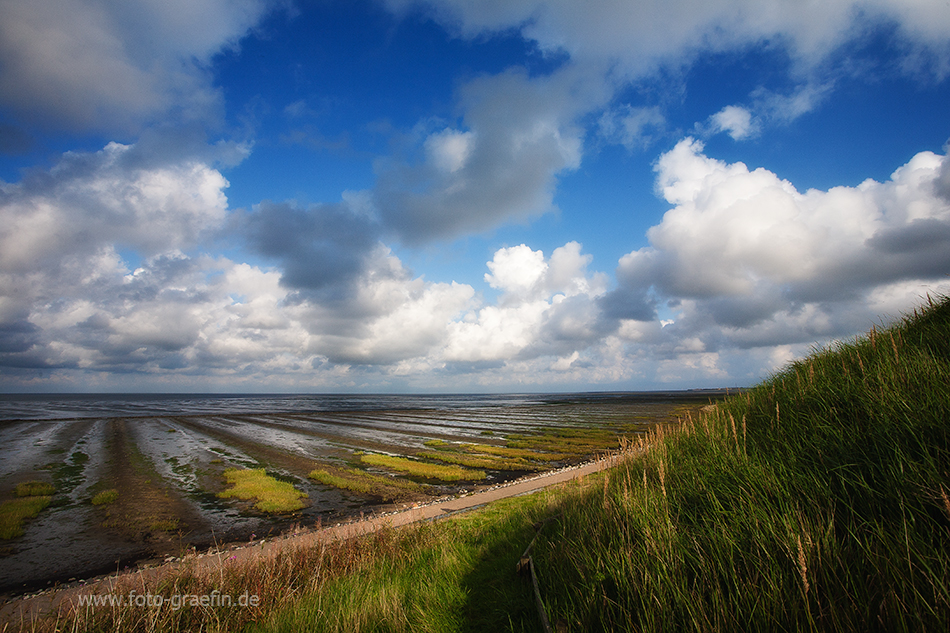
x=743 y=433
x=663 y=477
x=802 y=567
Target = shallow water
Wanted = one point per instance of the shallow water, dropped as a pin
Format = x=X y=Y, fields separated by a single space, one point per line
x=169 y=452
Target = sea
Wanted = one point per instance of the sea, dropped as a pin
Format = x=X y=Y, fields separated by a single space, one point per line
x=103 y=405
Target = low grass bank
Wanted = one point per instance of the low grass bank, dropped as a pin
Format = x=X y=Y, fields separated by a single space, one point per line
x=355 y=480
x=32 y=497
x=34 y=489
x=14 y=512
x=422 y=469
x=271 y=495
x=816 y=501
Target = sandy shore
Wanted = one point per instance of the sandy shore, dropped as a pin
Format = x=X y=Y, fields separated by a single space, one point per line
x=18 y=612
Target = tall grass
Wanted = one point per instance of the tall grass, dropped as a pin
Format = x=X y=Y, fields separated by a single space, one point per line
x=816 y=501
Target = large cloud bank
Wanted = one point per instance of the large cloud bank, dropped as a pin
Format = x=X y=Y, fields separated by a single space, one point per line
x=743 y=271
x=745 y=261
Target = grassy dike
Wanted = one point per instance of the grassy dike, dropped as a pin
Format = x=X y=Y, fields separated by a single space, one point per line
x=816 y=501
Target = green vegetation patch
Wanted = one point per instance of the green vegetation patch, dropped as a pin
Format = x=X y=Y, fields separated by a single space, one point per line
x=516 y=453
x=105 y=497
x=272 y=495
x=387 y=488
x=164 y=525
x=34 y=489
x=422 y=469
x=14 y=512
x=498 y=451
x=479 y=461
x=573 y=442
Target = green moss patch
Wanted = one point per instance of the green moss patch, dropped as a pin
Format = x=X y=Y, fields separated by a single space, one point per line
x=13 y=513
x=479 y=461
x=272 y=495
x=354 y=480
x=34 y=489
x=105 y=497
x=574 y=442
x=422 y=469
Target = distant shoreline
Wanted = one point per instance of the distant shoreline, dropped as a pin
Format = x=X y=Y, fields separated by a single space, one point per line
x=16 y=407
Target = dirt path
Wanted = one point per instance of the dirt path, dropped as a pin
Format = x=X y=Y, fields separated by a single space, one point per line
x=19 y=612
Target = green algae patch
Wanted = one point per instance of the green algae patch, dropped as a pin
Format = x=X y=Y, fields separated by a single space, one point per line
x=574 y=442
x=479 y=461
x=272 y=495
x=422 y=469
x=504 y=452
x=14 y=512
x=514 y=453
x=34 y=489
x=354 y=480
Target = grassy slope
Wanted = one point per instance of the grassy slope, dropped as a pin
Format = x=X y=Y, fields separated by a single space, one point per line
x=818 y=501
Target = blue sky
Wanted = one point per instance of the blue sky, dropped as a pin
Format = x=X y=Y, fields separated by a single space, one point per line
x=454 y=195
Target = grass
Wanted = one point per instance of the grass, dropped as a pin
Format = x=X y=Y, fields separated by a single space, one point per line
x=34 y=489
x=817 y=500
x=499 y=451
x=444 y=576
x=422 y=469
x=479 y=461
x=569 y=442
x=272 y=495
x=517 y=453
x=386 y=488
x=105 y=497
x=164 y=525
x=32 y=498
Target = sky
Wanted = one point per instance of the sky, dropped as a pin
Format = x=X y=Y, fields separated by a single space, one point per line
x=462 y=195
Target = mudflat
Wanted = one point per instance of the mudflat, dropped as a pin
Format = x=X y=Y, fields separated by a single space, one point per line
x=132 y=492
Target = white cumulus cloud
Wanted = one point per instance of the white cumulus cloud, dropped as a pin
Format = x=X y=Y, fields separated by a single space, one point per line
x=746 y=260
x=736 y=121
